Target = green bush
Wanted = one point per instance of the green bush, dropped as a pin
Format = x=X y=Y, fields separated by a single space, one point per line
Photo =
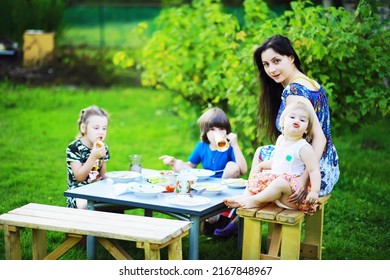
x=204 y=55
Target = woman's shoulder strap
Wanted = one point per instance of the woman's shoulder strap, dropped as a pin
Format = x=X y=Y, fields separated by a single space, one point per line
x=307 y=79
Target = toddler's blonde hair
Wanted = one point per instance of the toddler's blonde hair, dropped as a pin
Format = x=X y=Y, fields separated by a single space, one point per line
x=299 y=106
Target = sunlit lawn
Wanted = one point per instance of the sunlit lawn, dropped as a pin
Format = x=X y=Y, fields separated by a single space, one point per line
x=37 y=124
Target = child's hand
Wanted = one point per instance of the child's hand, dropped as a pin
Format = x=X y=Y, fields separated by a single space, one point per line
x=312 y=197
x=98 y=150
x=261 y=166
x=232 y=137
x=168 y=160
x=258 y=168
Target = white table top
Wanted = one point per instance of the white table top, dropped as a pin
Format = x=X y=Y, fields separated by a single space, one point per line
x=104 y=191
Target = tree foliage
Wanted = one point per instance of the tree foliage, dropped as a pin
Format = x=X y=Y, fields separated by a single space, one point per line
x=204 y=55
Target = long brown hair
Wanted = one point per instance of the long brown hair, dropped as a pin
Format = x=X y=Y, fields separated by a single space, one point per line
x=271 y=92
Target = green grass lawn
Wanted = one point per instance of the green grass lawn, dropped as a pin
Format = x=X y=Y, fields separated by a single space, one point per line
x=37 y=124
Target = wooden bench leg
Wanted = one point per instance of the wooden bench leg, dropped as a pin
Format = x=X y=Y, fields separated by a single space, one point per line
x=251 y=248
x=114 y=249
x=291 y=241
x=71 y=241
x=39 y=248
x=151 y=252
x=311 y=247
x=275 y=240
x=269 y=235
x=175 y=251
x=284 y=233
x=12 y=243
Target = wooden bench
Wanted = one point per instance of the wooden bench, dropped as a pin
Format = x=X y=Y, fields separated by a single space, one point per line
x=284 y=233
x=150 y=233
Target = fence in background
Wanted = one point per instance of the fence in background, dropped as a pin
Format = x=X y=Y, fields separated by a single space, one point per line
x=109 y=25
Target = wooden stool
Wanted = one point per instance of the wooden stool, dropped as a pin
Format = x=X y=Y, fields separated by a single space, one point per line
x=284 y=233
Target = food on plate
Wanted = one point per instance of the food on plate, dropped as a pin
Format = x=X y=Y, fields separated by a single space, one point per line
x=158 y=180
x=169 y=188
x=167 y=172
x=209 y=188
x=165 y=178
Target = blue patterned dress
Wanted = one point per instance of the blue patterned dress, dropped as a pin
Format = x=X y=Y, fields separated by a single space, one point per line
x=329 y=163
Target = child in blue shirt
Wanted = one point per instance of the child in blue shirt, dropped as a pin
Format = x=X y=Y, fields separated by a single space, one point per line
x=228 y=163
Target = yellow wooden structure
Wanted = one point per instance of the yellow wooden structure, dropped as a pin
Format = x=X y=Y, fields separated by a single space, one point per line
x=285 y=232
x=38 y=47
x=151 y=234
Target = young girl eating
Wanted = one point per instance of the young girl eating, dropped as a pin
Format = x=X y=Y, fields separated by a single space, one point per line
x=87 y=155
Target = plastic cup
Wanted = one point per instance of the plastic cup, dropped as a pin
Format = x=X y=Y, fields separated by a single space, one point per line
x=221 y=142
x=135 y=163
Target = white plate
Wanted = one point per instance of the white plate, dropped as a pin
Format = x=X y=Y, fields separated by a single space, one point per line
x=211 y=188
x=237 y=183
x=202 y=174
x=232 y=186
x=186 y=200
x=123 y=176
x=121 y=188
x=147 y=190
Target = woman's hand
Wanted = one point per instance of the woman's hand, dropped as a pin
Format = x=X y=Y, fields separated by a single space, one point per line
x=301 y=191
x=312 y=197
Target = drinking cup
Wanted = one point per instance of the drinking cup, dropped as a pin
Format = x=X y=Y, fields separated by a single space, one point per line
x=221 y=142
x=184 y=183
x=135 y=163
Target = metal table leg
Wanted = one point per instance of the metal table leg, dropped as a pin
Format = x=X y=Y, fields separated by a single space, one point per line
x=194 y=238
x=91 y=242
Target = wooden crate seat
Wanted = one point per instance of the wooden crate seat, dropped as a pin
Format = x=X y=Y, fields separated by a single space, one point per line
x=149 y=233
x=284 y=232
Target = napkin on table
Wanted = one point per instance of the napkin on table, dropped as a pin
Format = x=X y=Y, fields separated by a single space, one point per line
x=120 y=189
